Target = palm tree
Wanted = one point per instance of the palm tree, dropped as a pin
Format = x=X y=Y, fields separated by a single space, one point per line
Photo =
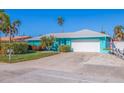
x=4 y=23
x=8 y=28
x=61 y=22
x=123 y=36
x=13 y=29
x=118 y=32
x=1 y=10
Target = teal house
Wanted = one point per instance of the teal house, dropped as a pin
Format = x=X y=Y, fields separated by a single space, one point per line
x=80 y=41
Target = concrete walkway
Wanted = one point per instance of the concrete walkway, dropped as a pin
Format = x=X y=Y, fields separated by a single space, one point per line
x=65 y=67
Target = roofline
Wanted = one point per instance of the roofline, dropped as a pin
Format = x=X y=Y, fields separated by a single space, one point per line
x=84 y=37
x=73 y=38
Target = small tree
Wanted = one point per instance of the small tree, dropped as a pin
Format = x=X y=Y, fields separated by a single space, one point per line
x=47 y=42
x=118 y=32
x=44 y=42
x=50 y=42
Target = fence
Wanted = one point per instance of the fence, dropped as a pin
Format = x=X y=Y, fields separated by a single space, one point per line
x=118 y=49
x=119 y=44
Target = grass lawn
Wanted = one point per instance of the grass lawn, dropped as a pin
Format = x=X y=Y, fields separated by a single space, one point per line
x=28 y=56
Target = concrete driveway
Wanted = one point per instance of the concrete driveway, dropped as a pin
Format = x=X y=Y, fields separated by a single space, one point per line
x=65 y=67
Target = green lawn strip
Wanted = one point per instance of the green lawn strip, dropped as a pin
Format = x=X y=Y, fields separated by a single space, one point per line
x=26 y=57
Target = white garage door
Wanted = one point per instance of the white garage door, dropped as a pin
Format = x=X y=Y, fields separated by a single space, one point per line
x=86 y=46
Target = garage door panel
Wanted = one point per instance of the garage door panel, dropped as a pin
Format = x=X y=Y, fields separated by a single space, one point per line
x=86 y=46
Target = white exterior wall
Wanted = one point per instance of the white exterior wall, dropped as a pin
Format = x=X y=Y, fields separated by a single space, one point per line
x=119 y=44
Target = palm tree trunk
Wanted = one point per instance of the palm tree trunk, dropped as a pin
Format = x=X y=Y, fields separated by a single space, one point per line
x=10 y=47
x=10 y=39
x=0 y=41
x=62 y=29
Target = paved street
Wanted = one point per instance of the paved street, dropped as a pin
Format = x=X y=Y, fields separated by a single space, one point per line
x=65 y=68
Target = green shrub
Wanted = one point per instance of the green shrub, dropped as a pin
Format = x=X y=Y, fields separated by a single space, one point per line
x=107 y=49
x=18 y=47
x=64 y=48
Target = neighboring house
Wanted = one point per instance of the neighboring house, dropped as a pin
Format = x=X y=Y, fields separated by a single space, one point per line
x=35 y=41
x=119 y=44
x=16 y=38
x=81 y=41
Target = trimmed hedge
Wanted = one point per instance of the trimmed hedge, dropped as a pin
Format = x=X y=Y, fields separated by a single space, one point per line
x=18 y=47
x=64 y=48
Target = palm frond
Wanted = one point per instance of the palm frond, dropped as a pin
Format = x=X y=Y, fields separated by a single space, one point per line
x=2 y=10
x=16 y=23
x=60 y=20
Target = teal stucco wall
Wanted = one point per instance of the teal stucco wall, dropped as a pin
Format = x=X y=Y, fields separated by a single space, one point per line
x=104 y=42
x=34 y=43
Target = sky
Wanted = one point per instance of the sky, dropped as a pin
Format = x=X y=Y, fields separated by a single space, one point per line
x=43 y=21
